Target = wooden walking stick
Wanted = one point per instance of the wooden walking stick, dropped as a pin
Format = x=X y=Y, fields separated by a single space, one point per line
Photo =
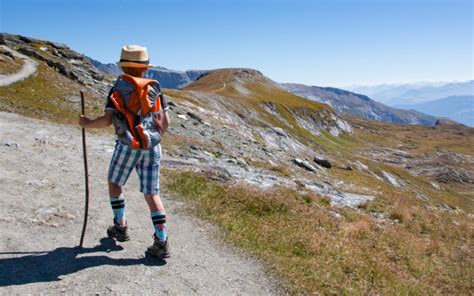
x=86 y=173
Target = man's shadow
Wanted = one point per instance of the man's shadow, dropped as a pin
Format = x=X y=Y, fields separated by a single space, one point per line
x=48 y=266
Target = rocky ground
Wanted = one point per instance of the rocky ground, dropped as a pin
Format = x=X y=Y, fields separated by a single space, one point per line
x=41 y=210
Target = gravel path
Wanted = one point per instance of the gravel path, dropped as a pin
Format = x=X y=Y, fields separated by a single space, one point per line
x=29 y=68
x=41 y=208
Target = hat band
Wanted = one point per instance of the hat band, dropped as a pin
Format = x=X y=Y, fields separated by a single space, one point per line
x=139 y=62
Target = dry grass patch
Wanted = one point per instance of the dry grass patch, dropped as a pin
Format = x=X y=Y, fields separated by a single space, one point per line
x=416 y=139
x=177 y=143
x=9 y=66
x=277 y=168
x=317 y=252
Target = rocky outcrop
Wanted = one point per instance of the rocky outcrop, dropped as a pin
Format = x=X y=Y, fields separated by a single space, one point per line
x=392 y=179
x=69 y=63
x=305 y=164
x=324 y=120
x=322 y=162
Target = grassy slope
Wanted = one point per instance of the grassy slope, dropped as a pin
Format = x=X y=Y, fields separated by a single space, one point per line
x=416 y=138
x=249 y=88
x=315 y=252
x=222 y=82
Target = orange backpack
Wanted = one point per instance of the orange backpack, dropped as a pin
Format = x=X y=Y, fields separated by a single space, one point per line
x=138 y=101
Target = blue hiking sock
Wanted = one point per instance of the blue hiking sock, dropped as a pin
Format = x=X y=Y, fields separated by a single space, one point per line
x=159 y=222
x=118 y=207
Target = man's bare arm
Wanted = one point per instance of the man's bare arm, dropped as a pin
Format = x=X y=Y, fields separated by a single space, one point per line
x=99 y=122
x=161 y=124
x=166 y=122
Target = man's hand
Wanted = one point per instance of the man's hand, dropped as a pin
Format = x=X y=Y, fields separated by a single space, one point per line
x=99 y=122
x=84 y=121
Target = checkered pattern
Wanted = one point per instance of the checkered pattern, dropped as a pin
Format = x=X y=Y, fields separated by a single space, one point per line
x=145 y=162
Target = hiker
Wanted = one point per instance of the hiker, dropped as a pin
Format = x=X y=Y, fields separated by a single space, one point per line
x=138 y=110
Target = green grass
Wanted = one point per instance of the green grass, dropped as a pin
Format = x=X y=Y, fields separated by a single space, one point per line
x=277 y=168
x=215 y=153
x=314 y=252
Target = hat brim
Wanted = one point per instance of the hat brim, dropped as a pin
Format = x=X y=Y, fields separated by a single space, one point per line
x=134 y=65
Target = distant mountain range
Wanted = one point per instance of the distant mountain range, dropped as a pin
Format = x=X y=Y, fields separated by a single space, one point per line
x=458 y=108
x=414 y=93
x=167 y=78
x=346 y=102
x=453 y=100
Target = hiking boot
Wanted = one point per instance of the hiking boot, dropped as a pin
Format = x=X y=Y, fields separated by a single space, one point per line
x=159 y=249
x=118 y=232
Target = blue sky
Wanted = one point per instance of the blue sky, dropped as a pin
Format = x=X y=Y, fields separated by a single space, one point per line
x=327 y=43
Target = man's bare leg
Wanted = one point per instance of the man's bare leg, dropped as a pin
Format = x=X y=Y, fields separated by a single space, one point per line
x=158 y=215
x=117 y=202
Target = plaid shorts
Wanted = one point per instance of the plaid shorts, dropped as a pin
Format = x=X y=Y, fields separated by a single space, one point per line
x=145 y=162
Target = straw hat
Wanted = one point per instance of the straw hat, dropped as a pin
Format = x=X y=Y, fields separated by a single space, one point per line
x=134 y=56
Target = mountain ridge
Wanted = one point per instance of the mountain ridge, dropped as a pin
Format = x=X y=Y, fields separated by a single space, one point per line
x=457 y=108
x=350 y=103
x=168 y=78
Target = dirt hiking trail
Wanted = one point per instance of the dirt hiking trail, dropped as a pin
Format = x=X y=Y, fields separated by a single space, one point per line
x=28 y=69
x=41 y=212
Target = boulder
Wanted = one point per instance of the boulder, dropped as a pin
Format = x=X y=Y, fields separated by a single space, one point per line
x=194 y=116
x=323 y=162
x=280 y=132
x=304 y=164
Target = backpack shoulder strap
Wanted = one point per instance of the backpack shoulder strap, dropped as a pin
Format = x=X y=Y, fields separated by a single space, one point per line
x=146 y=90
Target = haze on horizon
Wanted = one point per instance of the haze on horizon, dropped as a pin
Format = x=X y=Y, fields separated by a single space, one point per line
x=326 y=43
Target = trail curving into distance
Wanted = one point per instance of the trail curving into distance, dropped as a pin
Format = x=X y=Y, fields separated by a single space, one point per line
x=29 y=68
